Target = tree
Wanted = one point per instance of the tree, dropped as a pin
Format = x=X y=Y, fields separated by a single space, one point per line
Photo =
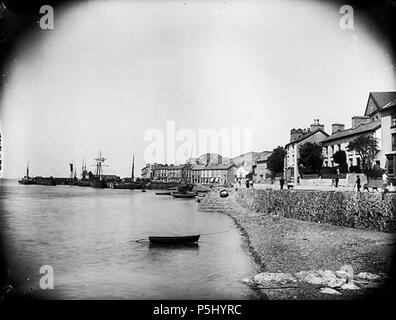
x=275 y=161
x=367 y=148
x=311 y=158
x=340 y=158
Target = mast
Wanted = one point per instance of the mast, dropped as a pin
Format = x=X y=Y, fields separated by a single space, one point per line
x=27 y=170
x=133 y=169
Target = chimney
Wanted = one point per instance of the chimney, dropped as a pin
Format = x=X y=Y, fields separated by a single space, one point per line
x=335 y=127
x=359 y=120
x=316 y=125
x=295 y=134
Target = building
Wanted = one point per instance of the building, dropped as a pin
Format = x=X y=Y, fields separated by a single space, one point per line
x=261 y=171
x=222 y=174
x=314 y=134
x=388 y=139
x=379 y=120
x=146 y=172
x=169 y=172
x=340 y=138
x=246 y=163
x=210 y=159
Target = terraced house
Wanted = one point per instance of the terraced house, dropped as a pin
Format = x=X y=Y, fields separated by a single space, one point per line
x=379 y=120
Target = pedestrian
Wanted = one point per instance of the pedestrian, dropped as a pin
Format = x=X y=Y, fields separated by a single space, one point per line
x=251 y=183
x=282 y=182
x=336 y=180
x=247 y=183
x=358 y=185
x=298 y=180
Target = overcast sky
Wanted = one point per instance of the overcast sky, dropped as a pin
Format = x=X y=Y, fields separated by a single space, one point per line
x=111 y=71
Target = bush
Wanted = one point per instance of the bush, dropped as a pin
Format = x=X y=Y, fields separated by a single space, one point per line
x=349 y=209
x=355 y=169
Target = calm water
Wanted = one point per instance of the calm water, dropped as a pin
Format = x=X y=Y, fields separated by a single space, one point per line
x=87 y=235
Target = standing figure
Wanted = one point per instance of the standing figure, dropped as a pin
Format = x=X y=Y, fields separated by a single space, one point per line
x=247 y=183
x=336 y=181
x=282 y=182
x=358 y=185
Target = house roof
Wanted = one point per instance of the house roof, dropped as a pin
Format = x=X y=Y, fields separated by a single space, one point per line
x=391 y=104
x=213 y=167
x=378 y=100
x=369 y=127
x=164 y=167
x=307 y=135
x=264 y=156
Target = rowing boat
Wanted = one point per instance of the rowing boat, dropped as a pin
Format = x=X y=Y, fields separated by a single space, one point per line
x=164 y=193
x=174 y=239
x=184 y=194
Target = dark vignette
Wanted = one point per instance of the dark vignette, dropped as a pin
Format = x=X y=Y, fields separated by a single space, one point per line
x=18 y=17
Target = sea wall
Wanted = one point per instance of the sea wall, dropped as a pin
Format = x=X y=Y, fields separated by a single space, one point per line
x=364 y=210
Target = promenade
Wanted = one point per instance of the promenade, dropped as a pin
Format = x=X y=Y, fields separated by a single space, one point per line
x=293 y=246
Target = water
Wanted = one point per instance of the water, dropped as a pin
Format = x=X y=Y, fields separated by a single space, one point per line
x=87 y=235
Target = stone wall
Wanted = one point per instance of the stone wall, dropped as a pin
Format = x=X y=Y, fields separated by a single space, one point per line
x=351 y=209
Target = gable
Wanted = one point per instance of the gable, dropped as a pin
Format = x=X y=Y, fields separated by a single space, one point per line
x=371 y=106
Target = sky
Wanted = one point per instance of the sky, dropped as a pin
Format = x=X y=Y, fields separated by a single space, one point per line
x=112 y=71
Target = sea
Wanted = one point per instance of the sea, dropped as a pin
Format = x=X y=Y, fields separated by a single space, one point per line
x=70 y=242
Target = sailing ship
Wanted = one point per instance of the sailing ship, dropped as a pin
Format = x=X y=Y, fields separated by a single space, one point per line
x=97 y=180
x=26 y=179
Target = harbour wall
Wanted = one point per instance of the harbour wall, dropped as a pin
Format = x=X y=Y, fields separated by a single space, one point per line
x=369 y=210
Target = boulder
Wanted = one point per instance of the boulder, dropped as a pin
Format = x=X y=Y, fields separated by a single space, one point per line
x=349 y=286
x=347 y=269
x=336 y=283
x=343 y=275
x=313 y=278
x=329 y=291
x=368 y=276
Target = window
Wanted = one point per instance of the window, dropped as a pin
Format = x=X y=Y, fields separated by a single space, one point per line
x=391 y=165
x=393 y=141
x=393 y=121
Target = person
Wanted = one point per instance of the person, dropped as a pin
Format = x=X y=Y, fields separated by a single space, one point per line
x=298 y=180
x=336 y=180
x=247 y=183
x=358 y=185
x=251 y=183
x=282 y=182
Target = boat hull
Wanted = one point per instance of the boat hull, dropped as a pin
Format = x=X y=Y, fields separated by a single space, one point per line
x=174 y=240
x=184 y=195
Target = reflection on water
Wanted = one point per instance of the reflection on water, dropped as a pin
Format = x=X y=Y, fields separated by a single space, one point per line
x=89 y=237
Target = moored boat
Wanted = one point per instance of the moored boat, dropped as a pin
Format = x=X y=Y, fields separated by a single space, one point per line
x=184 y=194
x=174 y=239
x=164 y=193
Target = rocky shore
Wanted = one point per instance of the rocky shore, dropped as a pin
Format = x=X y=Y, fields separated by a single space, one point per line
x=307 y=260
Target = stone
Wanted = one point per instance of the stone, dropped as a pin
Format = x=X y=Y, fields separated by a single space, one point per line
x=336 y=283
x=274 y=277
x=301 y=275
x=347 y=269
x=349 y=286
x=327 y=276
x=343 y=275
x=314 y=278
x=247 y=280
x=329 y=291
x=264 y=277
x=368 y=276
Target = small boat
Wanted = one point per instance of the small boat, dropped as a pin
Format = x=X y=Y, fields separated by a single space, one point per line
x=223 y=193
x=184 y=194
x=143 y=190
x=174 y=239
x=164 y=193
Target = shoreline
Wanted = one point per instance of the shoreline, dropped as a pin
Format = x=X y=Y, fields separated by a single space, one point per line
x=289 y=245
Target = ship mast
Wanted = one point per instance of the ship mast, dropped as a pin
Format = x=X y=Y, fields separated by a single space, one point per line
x=133 y=169
x=99 y=160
